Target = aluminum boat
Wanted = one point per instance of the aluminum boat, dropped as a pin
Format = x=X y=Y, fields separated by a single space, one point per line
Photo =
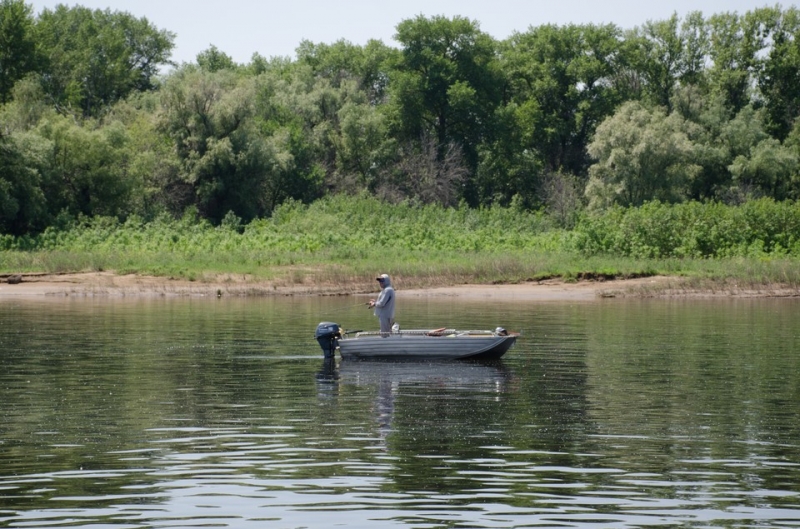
x=417 y=344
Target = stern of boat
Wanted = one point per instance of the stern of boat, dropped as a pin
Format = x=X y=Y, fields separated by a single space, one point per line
x=327 y=335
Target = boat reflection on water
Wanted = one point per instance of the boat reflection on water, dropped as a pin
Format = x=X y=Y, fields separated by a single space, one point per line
x=475 y=376
x=489 y=376
x=392 y=379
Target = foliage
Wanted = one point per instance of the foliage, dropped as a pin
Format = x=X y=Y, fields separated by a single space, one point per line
x=665 y=55
x=642 y=155
x=779 y=77
x=343 y=238
x=736 y=43
x=562 y=199
x=17 y=45
x=317 y=227
x=364 y=224
x=86 y=169
x=769 y=168
x=757 y=228
x=562 y=87
x=675 y=110
x=343 y=62
x=446 y=84
x=22 y=202
x=94 y=58
x=214 y=60
x=216 y=120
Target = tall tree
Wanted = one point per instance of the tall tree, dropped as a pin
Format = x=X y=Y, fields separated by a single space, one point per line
x=343 y=61
x=17 y=45
x=657 y=54
x=214 y=60
x=736 y=43
x=240 y=148
x=363 y=147
x=562 y=87
x=22 y=202
x=733 y=150
x=641 y=154
x=447 y=83
x=206 y=117
x=779 y=79
x=84 y=169
x=769 y=169
x=94 y=58
x=695 y=39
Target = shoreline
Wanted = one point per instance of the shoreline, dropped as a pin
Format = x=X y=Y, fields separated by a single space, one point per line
x=111 y=285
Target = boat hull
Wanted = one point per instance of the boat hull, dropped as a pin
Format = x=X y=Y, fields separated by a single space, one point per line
x=425 y=347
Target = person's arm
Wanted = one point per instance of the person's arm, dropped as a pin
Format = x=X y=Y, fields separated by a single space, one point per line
x=373 y=303
x=384 y=298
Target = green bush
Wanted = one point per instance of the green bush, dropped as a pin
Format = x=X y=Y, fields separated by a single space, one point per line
x=695 y=230
x=328 y=224
x=355 y=234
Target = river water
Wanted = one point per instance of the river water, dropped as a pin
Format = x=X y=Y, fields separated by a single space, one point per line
x=222 y=413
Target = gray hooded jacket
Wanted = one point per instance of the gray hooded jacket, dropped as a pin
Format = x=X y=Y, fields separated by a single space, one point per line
x=384 y=305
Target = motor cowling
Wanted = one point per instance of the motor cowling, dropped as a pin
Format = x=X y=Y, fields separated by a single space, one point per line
x=327 y=334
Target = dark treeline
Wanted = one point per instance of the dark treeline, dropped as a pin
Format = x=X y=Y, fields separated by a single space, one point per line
x=560 y=118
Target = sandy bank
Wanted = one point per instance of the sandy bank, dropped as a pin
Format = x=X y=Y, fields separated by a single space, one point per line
x=107 y=284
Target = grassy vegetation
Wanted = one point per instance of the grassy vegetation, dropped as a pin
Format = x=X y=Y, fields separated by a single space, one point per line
x=342 y=240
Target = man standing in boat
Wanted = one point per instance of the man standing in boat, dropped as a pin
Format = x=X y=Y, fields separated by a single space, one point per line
x=384 y=305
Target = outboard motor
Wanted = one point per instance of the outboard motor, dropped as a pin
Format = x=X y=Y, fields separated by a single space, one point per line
x=327 y=335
